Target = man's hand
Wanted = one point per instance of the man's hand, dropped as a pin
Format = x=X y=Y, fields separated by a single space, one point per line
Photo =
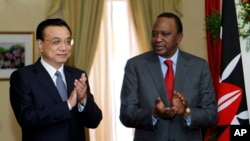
x=79 y=92
x=72 y=100
x=81 y=89
x=180 y=102
x=161 y=111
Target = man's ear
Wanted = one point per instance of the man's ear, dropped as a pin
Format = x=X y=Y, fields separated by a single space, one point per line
x=180 y=35
x=39 y=44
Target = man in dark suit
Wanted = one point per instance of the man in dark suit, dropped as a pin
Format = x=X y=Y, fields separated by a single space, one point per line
x=39 y=109
x=145 y=104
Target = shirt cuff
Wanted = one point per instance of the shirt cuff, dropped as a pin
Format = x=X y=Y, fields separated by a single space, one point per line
x=70 y=108
x=188 y=120
x=154 y=120
x=80 y=107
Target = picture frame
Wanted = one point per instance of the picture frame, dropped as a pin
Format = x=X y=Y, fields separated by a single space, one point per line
x=16 y=51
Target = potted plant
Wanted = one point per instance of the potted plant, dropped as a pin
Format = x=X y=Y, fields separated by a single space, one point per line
x=213 y=23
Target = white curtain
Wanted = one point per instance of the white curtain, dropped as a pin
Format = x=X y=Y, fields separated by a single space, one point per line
x=117 y=43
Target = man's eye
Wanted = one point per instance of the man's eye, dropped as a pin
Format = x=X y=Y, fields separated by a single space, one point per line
x=69 y=42
x=153 y=34
x=56 y=42
x=165 y=33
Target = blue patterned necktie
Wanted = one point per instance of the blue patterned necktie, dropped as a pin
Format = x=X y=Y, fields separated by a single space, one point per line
x=61 y=86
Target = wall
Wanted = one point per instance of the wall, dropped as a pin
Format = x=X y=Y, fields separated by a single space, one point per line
x=194 y=39
x=24 y=15
x=16 y=15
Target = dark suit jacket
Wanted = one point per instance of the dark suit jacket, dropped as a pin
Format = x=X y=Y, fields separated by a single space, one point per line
x=143 y=83
x=41 y=113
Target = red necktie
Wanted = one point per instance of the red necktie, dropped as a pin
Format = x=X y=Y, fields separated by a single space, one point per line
x=169 y=79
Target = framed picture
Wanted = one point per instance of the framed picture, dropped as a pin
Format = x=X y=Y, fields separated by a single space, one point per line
x=16 y=51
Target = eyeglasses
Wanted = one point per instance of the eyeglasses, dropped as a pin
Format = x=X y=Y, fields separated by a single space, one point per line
x=56 y=42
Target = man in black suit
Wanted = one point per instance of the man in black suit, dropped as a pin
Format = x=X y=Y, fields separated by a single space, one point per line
x=39 y=109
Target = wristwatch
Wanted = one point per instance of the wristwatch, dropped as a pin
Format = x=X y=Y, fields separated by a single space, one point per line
x=187 y=112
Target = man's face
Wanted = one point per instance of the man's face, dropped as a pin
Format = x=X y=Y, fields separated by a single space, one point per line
x=56 y=46
x=165 y=38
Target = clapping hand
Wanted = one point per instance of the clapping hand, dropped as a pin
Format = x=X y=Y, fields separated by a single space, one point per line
x=79 y=92
x=161 y=111
x=81 y=88
x=179 y=102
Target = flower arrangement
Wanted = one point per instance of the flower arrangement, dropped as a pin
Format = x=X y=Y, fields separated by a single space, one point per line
x=213 y=22
x=244 y=18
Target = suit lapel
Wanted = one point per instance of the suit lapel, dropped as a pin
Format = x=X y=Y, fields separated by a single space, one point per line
x=45 y=81
x=182 y=69
x=155 y=72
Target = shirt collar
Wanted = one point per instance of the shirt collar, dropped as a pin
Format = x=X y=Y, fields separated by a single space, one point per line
x=50 y=69
x=173 y=58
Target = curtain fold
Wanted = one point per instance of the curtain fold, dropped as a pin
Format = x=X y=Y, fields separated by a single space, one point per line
x=214 y=57
x=144 y=12
x=52 y=6
x=213 y=46
x=84 y=16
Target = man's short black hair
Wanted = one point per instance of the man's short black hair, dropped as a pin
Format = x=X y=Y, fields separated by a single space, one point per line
x=175 y=17
x=50 y=22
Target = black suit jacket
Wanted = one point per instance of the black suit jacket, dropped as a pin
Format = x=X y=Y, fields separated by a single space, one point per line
x=41 y=113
